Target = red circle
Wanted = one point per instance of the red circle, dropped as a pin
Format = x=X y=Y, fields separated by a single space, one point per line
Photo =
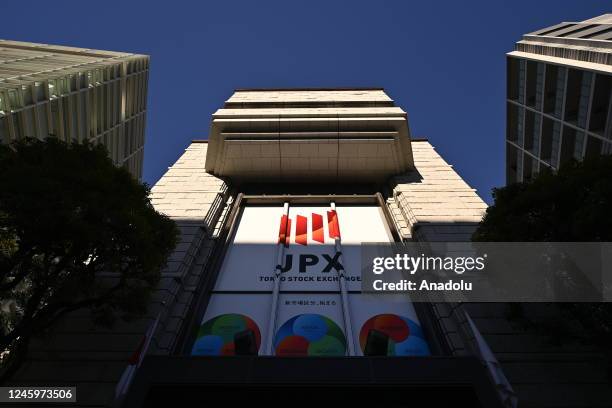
x=293 y=346
x=393 y=326
x=228 y=349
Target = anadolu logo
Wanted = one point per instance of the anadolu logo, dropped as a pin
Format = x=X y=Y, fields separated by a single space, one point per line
x=317 y=231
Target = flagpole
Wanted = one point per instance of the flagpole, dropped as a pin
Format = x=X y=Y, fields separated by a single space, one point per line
x=346 y=313
x=135 y=361
x=283 y=239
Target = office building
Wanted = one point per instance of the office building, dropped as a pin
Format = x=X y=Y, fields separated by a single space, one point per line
x=325 y=163
x=559 y=81
x=75 y=94
x=308 y=174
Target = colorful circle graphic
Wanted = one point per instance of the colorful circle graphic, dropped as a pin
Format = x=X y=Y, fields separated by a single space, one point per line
x=405 y=335
x=310 y=335
x=216 y=335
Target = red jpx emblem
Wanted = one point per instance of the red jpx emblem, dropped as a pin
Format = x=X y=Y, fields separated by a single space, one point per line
x=301 y=228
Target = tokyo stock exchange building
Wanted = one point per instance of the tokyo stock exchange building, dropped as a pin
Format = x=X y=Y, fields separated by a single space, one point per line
x=261 y=301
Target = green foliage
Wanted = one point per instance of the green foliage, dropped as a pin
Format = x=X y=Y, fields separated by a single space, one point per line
x=75 y=232
x=572 y=205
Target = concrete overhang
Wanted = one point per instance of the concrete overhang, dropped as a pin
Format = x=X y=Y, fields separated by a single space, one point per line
x=310 y=136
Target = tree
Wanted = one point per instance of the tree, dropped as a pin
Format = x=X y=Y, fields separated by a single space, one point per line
x=75 y=232
x=572 y=205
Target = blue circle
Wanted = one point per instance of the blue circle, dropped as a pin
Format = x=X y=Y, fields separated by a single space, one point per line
x=414 y=328
x=310 y=326
x=209 y=345
x=412 y=346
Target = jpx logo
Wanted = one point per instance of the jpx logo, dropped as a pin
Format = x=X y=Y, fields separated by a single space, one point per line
x=308 y=260
x=323 y=261
x=317 y=231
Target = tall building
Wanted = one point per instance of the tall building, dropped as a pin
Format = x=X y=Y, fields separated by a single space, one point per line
x=559 y=81
x=75 y=94
x=308 y=174
x=335 y=167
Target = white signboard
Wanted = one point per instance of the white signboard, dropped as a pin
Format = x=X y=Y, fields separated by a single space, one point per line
x=307 y=323
x=309 y=261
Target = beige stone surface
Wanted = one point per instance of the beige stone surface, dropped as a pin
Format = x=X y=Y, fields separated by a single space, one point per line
x=302 y=96
x=186 y=190
x=270 y=135
x=434 y=196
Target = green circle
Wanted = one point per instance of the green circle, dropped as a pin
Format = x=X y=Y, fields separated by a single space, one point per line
x=227 y=326
x=334 y=330
x=327 y=346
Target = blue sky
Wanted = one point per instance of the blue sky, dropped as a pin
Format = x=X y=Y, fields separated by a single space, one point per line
x=443 y=62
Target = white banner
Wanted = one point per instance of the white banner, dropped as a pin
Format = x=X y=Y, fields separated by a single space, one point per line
x=307 y=323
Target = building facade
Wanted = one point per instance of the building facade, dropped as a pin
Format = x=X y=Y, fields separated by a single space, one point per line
x=337 y=168
x=334 y=162
x=75 y=94
x=559 y=82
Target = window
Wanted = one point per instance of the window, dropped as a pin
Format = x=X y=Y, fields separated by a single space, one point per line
x=42 y=121
x=551 y=131
x=512 y=84
x=53 y=131
x=530 y=167
x=532 y=132
x=512 y=122
x=40 y=91
x=600 y=104
x=577 y=98
x=3 y=130
x=17 y=125
x=579 y=145
x=521 y=90
x=82 y=100
x=30 y=124
x=27 y=95
x=532 y=84
x=568 y=145
x=512 y=175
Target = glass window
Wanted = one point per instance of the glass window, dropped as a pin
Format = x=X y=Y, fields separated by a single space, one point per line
x=530 y=166
x=27 y=95
x=512 y=121
x=74 y=133
x=547 y=140
x=40 y=91
x=561 y=77
x=512 y=66
x=17 y=125
x=579 y=145
x=66 y=119
x=82 y=116
x=600 y=104
x=512 y=166
x=53 y=131
x=577 y=96
x=568 y=145
x=521 y=90
x=42 y=121
x=29 y=123
x=4 y=136
x=532 y=132
x=532 y=84
x=585 y=95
